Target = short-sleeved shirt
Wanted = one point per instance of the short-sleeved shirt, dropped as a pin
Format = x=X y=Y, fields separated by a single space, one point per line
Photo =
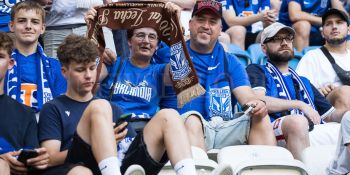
x=59 y=119
x=245 y=8
x=28 y=66
x=137 y=90
x=18 y=127
x=314 y=64
x=238 y=77
x=260 y=78
x=341 y=162
x=314 y=7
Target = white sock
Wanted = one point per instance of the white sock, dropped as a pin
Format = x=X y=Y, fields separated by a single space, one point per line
x=109 y=166
x=185 y=167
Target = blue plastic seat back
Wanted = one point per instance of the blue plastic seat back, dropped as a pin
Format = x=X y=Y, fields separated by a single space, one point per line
x=242 y=55
x=256 y=53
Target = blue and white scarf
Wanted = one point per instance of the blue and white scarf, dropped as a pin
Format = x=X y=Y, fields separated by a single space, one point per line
x=282 y=89
x=13 y=80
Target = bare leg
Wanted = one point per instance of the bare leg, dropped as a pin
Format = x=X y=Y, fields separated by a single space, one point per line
x=4 y=167
x=79 y=170
x=261 y=132
x=302 y=30
x=195 y=131
x=166 y=131
x=237 y=35
x=95 y=128
x=340 y=98
x=295 y=131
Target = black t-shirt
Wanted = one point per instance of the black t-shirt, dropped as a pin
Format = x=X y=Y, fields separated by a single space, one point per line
x=18 y=125
x=59 y=119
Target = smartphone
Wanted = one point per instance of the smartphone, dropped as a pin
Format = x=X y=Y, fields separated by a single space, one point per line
x=123 y=118
x=247 y=108
x=27 y=154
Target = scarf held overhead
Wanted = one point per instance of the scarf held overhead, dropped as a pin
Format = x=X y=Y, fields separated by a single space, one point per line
x=133 y=15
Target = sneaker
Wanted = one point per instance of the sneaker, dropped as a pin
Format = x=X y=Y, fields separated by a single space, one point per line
x=223 y=169
x=135 y=170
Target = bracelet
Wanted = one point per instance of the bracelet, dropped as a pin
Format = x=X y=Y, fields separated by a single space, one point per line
x=263 y=101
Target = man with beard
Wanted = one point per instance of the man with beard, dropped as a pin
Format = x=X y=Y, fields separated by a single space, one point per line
x=315 y=64
x=293 y=104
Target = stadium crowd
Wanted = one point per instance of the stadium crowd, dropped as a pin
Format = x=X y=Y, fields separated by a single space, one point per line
x=275 y=72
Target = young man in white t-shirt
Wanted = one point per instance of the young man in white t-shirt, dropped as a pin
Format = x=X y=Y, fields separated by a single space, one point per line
x=317 y=68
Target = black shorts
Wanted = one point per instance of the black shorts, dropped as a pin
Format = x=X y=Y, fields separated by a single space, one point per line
x=56 y=170
x=80 y=152
x=250 y=38
x=138 y=154
x=316 y=38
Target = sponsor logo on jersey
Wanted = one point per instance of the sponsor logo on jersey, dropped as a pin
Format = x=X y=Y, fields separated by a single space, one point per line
x=127 y=88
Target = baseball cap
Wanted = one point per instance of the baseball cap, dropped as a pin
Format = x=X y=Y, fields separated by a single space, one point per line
x=271 y=30
x=337 y=12
x=214 y=6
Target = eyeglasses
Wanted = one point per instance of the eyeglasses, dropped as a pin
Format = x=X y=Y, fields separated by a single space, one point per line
x=142 y=36
x=279 y=39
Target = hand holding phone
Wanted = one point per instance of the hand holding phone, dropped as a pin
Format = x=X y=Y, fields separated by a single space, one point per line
x=123 y=118
x=247 y=108
x=27 y=154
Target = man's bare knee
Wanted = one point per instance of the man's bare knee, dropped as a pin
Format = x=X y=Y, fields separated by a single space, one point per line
x=194 y=124
x=340 y=97
x=98 y=106
x=296 y=125
x=80 y=170
x=168 y=116
x=302 y=28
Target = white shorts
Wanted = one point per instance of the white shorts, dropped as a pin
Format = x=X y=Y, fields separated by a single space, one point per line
x=322 y=134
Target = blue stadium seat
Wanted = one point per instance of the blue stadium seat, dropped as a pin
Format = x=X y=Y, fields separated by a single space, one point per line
x=297 y=57
x=256 y=53
x=306 y=49
x=242 y=55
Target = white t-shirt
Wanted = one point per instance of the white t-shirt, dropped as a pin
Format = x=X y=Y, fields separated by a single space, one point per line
x=67 y=12
x=341 y=162
x=315 y=66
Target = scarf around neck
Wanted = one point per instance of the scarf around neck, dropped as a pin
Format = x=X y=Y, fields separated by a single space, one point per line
x=133 y=15
x=13 y=79
x=283 y=91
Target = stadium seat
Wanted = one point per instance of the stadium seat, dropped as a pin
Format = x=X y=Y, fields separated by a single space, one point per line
x=256 y=53
x=293 y=63
x=306 y=49
x=213 y=154
x=260 y=159
x=242 y=55
x=317 y=158
x=203 y=164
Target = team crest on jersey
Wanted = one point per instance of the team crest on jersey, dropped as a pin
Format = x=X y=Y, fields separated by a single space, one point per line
x=179 y=65
x=220 y=102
